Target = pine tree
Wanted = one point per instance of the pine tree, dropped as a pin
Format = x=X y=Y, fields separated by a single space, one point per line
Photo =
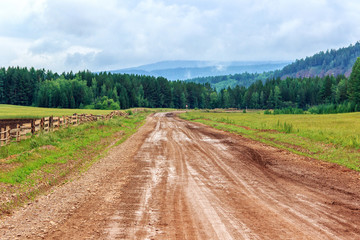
x=325 y=92
x=354 y=83
x=2 y=85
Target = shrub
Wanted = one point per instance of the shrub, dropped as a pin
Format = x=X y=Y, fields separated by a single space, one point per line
x=289 y=110
x=267 y=111
x=334 y=108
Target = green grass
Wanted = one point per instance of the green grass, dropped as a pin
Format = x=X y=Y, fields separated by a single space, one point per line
x=13 y=111
x=48 y=159
x=332 y=137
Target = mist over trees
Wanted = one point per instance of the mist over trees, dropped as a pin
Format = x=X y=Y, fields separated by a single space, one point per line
x=22 y=86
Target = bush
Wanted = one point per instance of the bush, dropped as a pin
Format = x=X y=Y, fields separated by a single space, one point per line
x=114 y=105
x=106 y=103
x=267 y=111
x=91 y=106
x=334 y=108
x=289 y=110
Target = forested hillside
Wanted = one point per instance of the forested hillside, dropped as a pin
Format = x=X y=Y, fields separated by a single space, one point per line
x=333 y=62
x=21 y=86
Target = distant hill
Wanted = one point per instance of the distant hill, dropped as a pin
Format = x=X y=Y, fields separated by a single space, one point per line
x=331 y=62
x=182 y=70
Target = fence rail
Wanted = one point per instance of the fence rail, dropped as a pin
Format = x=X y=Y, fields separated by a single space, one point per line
x=47 y=124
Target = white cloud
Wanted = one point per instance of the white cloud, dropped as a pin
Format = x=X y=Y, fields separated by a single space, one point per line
x=65 y=35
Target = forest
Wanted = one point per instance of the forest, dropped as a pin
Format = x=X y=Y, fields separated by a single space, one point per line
x=30 y=87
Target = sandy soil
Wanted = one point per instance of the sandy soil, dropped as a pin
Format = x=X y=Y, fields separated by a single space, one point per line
x=179 y=180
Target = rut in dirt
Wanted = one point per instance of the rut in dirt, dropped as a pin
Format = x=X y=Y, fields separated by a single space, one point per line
x=189 y=181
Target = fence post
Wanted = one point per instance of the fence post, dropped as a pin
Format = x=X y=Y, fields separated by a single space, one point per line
x=33 y=126
x=7 y=135
x=2 y=136
x=51 y=123
x=18 y=129
x=42 y=124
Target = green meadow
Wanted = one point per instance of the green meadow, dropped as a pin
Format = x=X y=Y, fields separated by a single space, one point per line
x=329 y=137
x=13 y=111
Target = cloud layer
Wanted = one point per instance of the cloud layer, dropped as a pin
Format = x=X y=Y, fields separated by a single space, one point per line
x=64 y=35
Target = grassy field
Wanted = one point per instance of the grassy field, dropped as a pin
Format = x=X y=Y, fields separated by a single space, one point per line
x=333 y=137
x=13 y=111
x=31 y=166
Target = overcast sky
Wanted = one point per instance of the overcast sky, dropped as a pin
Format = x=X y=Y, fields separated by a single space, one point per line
x=75 y=35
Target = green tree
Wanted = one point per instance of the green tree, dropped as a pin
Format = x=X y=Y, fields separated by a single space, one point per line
x=2 y=85
x=326 y=90
x=341 y=91
x=213 y=100
x=354 y=83
x=103 y=91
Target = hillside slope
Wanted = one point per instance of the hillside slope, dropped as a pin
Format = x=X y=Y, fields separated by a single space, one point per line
x=331 y=62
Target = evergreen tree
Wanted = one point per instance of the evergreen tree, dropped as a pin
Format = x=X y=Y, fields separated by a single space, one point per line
x=325 y=92
x=354 y=83
x=2 y=85
x=277 y=97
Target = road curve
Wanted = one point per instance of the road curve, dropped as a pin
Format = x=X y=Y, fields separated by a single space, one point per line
x=189 y=181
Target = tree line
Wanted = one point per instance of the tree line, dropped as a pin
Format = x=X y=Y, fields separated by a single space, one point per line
x=22 y=86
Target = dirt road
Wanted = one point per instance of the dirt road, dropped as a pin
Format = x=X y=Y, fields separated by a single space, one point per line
x=180 y=180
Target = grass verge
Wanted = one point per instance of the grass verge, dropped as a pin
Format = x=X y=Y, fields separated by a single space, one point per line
x=13 y=111
x=332 y=137
x=32 y=166
x=18 y=112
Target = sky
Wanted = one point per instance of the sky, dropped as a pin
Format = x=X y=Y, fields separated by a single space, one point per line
x=64 y=35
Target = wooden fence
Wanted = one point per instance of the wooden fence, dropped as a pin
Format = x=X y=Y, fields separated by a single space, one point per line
x=20 y=132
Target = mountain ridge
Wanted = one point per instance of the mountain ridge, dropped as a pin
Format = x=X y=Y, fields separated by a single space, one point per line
x=332 y=62
x=187 y=69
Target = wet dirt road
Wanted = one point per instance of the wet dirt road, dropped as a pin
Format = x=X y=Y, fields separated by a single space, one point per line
x=180 y=180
